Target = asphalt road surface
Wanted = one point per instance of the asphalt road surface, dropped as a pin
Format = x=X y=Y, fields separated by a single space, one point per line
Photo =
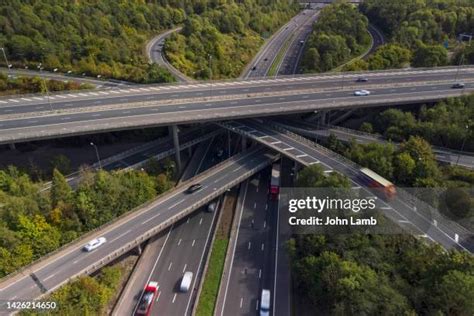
x=290 y=62
x=21 y=127
x=56 y=270
x=252 y=267
x=261 y=63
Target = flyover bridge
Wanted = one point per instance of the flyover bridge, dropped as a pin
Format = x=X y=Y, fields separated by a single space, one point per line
x=132 y=229
x=444 y=155
x=76 y=113
x=410 y=213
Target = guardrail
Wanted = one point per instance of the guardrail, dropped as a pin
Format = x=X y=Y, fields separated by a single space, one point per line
x=282 y=77
x=122 y=218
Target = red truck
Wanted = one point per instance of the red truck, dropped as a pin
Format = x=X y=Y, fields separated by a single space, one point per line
x=275 y=181
x=381 y=185
x=148 y=298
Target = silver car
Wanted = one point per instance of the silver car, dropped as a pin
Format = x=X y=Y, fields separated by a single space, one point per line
x=94 y=244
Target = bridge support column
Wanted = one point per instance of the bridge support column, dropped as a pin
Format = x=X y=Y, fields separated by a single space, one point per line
x=322 y=118
x=139 y=250
x=244 y=143
x=12 y=146
x=295 y=171
x=173 y=130
x=190 y=151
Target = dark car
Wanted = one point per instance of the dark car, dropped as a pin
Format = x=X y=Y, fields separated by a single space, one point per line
x=265 y=59
x=193 y=188
x=254 y=67
x=458 y=85
x=362 y=79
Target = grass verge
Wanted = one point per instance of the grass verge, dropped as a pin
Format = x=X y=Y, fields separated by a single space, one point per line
x=281 y=53
x=213 y=278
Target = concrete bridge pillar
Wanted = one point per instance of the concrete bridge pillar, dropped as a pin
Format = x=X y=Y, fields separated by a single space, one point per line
x=139 y=250
x=322 y=118
x=12 y=146
x=244 y=143
x=173 y=130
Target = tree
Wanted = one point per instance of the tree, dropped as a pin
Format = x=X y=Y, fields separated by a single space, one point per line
x=389 y=56
x=430 y=56
x=404 y=165
x=453 y=295
x=61 y=163
x=60 y=190
x=366 y=127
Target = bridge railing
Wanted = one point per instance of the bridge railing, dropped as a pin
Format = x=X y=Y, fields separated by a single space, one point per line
x=79 y=242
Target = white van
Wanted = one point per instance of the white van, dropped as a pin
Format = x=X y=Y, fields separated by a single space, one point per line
x=265 y=303
x=212 y=207
x=186 y=281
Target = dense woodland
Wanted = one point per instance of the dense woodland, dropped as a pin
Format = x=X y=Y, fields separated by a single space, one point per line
x=365 y=274
x=339 y=34
x=107 y=38
x=86 y=295
x=219 y=38
x=104 y=38
x=34 y=222
x=419 y=33
x=448 y=123
x=21 y=85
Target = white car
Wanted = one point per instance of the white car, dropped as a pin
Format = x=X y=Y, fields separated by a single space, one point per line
x=95 y=243
x=360 y=93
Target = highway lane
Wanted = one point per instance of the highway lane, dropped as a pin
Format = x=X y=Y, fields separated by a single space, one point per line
x=67 y=124
x=346 y=135
x=185 y=247
x=253 y=257
x=290 y=62
x=71 y=261
x=401 y=210
x=154 y=93
x=155 y=54
x=265 y=57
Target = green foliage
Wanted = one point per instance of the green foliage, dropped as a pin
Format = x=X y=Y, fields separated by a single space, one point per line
x=219 y=38
x=430 y=56
x=86 y=295
x=362 y=274
x=443 y=124
x=339 y=33
x=389 y=56
x=33 y=222
x=409 y=22
x=313 y=176
x=24 y=85
x=105 y=37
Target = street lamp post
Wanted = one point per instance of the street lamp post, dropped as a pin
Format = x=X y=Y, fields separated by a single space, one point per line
x=463 y=143
x=6 y=60
x=210 y=75
x=97 y=154
x=40 y=67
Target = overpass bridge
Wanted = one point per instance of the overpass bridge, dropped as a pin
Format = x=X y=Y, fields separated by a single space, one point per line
x=306 y=129
x=30 y=118
x=132 y=229
x=408 y=212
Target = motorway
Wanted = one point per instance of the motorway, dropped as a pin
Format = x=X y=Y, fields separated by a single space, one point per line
x=252 y=266
x=20 y=120
x=415 y=217
x=267 y=55
x=131 y=229
x=164 y=255
x=291 y=60
x=346 y=135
